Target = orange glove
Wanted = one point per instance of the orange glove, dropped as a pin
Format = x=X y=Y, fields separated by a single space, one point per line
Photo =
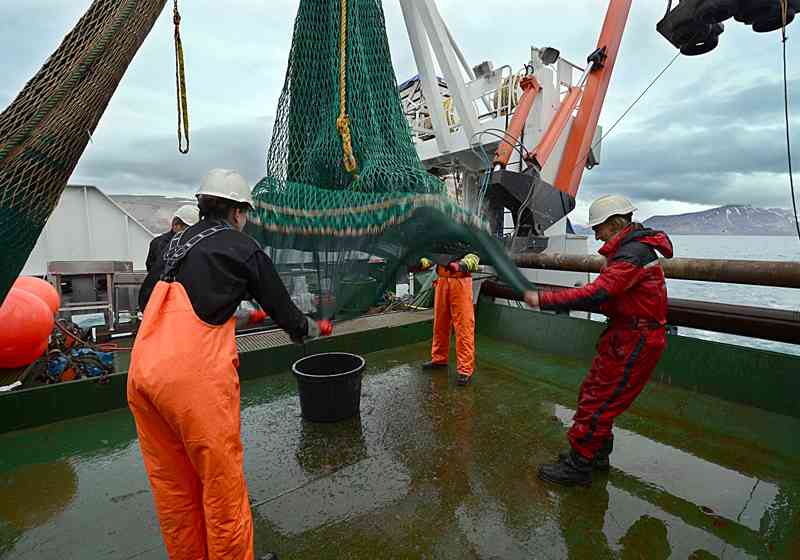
x=325 y=327
x=257 y=316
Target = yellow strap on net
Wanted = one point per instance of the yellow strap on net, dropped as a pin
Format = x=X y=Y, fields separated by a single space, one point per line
x=180 y=83
x=343 y=121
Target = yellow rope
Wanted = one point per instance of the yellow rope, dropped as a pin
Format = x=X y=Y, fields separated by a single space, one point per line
x=180 y=84
x=343 y=121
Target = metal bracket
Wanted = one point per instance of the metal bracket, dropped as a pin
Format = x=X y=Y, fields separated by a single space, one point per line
x=597 y=58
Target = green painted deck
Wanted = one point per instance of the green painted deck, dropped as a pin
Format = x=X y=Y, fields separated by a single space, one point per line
x=432 y=470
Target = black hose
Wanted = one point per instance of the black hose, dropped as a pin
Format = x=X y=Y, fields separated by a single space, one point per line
x=786 y=115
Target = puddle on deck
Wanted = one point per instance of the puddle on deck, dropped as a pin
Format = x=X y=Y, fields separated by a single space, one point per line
x=431 y=470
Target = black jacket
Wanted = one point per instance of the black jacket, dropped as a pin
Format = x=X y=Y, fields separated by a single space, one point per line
x=154 y=265
x=226 y=268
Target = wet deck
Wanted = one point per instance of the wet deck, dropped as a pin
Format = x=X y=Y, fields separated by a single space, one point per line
x=432 y=470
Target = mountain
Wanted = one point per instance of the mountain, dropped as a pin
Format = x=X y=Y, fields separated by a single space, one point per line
x=725 y=220
x=154 y=211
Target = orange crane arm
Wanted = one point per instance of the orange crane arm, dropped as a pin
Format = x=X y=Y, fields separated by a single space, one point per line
x=541 y=153
x=530 y=88
x=583 y=130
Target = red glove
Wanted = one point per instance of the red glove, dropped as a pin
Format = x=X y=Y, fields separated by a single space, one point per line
x=454 y=266
x=257 y=316
x=325 y=327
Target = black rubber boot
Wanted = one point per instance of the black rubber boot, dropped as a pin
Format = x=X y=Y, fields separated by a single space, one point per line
x=463 y=379
x=601 y=461
x=573 y=470
x=433 y=365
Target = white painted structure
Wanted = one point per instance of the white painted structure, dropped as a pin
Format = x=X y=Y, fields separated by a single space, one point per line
x=87 y=225
x=456 y=119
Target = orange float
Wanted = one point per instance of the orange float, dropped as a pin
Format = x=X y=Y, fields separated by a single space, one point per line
x=40 y=288
x=26 y=322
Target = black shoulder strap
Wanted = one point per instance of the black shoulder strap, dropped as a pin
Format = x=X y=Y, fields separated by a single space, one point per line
x=177 y=251
x=636 y=253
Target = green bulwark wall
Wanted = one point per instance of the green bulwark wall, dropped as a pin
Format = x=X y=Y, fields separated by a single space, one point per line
x=767 y=380
x=51 y=403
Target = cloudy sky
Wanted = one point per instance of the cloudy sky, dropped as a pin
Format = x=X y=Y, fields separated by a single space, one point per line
x=709 y=133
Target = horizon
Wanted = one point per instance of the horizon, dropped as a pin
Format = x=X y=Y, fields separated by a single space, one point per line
x=572 y=221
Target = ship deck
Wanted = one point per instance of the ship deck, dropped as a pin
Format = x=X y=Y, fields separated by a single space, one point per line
x=433 y=470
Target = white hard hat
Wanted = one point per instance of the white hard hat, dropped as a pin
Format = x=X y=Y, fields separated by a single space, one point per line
x=189 y=214
x=609 y=205
x=227 y=184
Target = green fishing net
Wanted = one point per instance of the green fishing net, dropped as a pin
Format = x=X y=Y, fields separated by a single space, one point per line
x=44 y=131
x=343 y=236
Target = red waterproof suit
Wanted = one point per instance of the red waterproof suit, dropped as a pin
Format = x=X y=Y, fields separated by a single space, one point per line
x=631 y=291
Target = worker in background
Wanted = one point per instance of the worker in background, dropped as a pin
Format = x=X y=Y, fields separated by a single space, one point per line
x=185 y=216
x=183 y=385
x=631 y=292
x=453 y=310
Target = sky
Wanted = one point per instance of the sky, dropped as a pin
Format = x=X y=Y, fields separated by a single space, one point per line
x=710 y=132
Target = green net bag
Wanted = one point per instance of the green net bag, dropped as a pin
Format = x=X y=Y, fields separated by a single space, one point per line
x=344 y=187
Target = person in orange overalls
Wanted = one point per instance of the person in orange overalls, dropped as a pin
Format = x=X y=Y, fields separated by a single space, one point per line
x=453 y=310
x=183 y=385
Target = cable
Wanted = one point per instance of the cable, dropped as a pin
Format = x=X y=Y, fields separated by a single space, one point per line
x=635 y=101
x=102 y=347
x=487 y=172
x=784 y=7
x=582 y=160
x=518 y=146
x=485 y=178
x=503 y=136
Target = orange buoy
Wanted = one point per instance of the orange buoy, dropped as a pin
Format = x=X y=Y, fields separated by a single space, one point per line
x=41 y=288
x=26 y=322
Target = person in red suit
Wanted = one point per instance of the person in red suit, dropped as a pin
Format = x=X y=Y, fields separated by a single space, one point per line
x=632 y=293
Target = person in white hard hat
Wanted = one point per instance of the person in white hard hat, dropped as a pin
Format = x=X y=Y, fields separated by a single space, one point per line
x=183 y=385
x=631 y=292
x=185 y=216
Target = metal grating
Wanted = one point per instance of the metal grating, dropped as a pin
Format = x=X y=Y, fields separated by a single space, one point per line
x=262 y=341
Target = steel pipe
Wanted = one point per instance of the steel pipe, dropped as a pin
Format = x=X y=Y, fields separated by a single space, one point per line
x=778 y=325
x=783 y=274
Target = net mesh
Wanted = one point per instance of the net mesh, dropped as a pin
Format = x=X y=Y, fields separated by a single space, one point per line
x=342 y=238
x=346 y=234
x=45 y=129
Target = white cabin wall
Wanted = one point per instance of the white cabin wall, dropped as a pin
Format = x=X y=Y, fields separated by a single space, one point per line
x=87 y=225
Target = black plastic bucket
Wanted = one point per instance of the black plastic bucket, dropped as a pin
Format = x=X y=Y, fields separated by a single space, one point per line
x=329 y=385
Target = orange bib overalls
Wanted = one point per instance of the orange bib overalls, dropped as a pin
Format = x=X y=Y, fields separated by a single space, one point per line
x=183 y=390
